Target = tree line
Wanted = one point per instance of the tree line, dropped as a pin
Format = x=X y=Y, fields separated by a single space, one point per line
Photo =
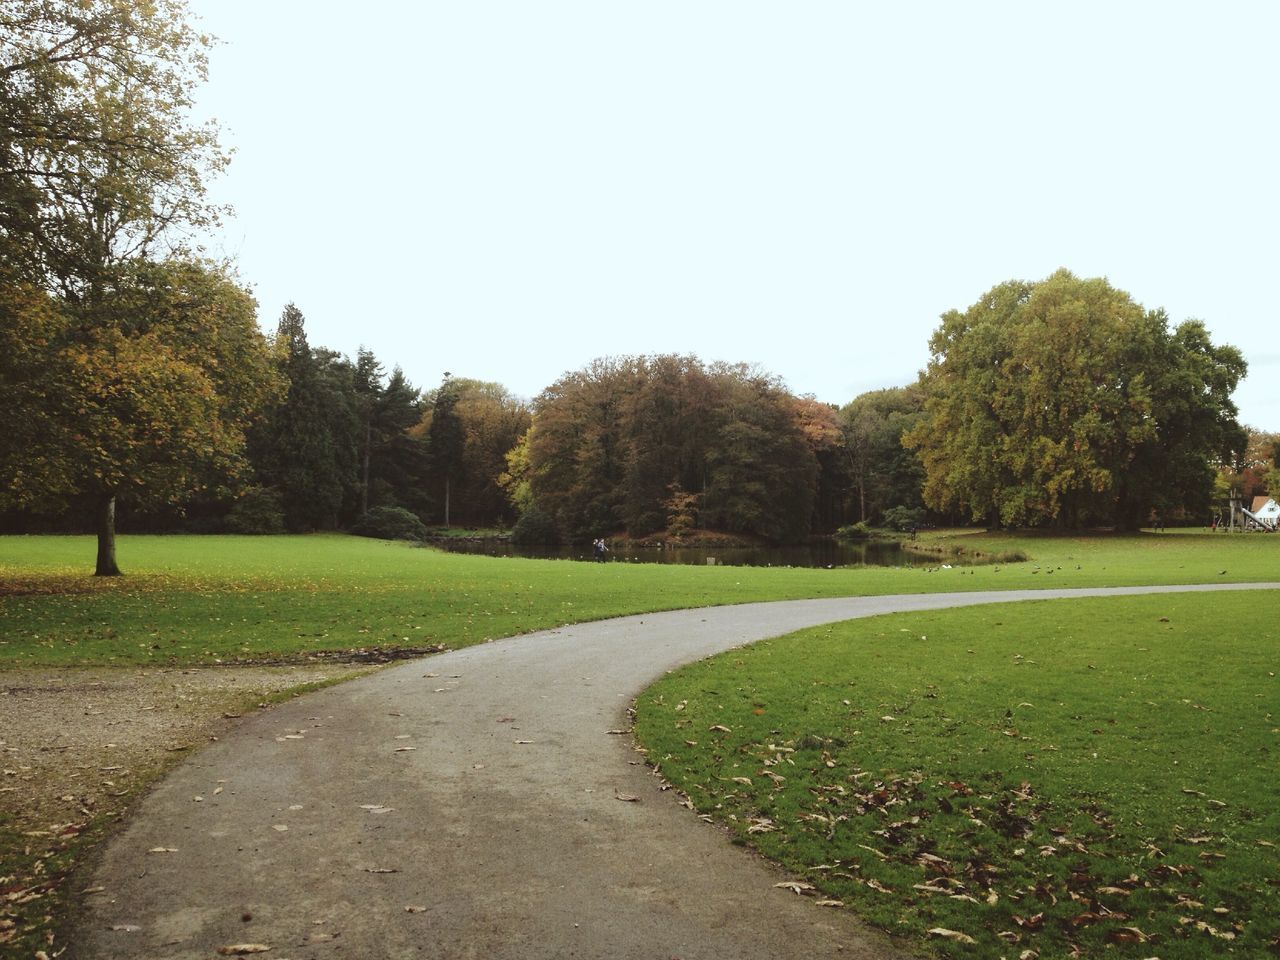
x=135 y=375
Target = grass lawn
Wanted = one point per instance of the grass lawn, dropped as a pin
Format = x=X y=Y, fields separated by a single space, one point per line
x=1089 y=777
x=190 y=599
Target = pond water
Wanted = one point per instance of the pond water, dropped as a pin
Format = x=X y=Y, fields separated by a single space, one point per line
x=819 y=553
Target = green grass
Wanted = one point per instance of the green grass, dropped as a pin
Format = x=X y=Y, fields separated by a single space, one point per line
x=1091 y=774
x=189 y=599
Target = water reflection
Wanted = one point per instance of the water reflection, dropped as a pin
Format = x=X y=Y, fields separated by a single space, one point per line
x=819 y=553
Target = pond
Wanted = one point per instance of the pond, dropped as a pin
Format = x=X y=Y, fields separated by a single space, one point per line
x=818 y=553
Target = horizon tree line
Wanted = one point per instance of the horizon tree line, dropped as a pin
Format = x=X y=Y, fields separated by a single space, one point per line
x=136 y=376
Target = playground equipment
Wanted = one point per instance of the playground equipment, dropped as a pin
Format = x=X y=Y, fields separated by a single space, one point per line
x=1264 y=516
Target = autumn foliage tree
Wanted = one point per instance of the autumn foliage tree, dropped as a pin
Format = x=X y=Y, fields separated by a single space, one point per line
x=102 y=177
x=1065 y=402
x=610 y=442
x=150 y=405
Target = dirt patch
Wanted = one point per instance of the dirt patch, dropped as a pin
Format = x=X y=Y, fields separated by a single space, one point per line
x=78 y=744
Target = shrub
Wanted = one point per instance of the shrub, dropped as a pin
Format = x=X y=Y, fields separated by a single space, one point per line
x=390 y=523
x=854 y=531
x=903 y=519
x=535 y=528
x=259 y=510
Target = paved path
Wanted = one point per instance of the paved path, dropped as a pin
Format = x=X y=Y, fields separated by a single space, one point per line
x=498 y=835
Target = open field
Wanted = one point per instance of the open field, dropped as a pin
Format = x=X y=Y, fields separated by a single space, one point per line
x=192 y=603
x=1095 y=774
x=208 y=599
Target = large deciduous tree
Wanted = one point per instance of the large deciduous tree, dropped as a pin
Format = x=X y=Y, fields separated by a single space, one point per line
x=99 y=158
x=150 y=405
x=102 y=174
x=1065 y=402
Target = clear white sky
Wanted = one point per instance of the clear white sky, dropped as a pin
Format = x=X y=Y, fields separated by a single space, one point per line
x=506 y=190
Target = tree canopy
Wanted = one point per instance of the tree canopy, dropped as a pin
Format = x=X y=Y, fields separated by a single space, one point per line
x=1066 y=402
x=151 y=405
x=100 y=158
x=613 y=443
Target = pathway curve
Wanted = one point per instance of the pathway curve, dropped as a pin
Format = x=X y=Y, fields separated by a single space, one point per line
x=466 y=806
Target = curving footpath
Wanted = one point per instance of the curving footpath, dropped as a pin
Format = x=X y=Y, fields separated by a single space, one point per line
x=468 y=805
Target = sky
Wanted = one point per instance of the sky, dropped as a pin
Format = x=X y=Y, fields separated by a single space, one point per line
x=508 y=190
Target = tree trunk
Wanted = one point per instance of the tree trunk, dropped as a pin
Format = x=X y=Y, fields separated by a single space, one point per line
x=364 y=478
x=446 y=503
x=107 y=537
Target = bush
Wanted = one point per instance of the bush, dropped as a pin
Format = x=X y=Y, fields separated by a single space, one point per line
x=854 y=531
x=535 y=528
x=260 y=510
x=903 y=519
x=390 y=523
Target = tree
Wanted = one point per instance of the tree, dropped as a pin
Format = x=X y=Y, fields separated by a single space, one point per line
x=99 y=165
x=101 y=162
x=307 y=447
x=883 y=473
x=392 y=460
x=1065 y=402
x=761 y=471
x=445 y=442
x=609 y=442
x=151 y=405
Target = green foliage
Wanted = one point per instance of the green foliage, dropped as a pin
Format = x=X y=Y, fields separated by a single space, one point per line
x=146 y=395
x=101 y=159
x=1065 y=402
x=535 y=528
x=904 y=519
x=258 y=510
x=307 y=447
x=854 y=531
x=1011 y=772
x=390 y=523
x=883 y=473
x=486 y=427
x=609 y=440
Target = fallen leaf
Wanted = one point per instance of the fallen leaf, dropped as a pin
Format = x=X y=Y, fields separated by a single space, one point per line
x=1127 y=935
x=241 y=949
x=416 y=909
x=279 y=827
x=404 y=749
x=125 y=927
x=626 y=797
x=955 y=935
x=163 y=850
x=376 y=808
x=720 y=728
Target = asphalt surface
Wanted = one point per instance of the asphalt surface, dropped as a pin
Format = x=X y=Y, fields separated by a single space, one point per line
x=472 y=804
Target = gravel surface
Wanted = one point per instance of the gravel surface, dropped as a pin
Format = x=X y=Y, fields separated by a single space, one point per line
x=78 y=744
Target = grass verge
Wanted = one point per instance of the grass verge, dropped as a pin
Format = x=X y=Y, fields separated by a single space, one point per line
x=1073 y=778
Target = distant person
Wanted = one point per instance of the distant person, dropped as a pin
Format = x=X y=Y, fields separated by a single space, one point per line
x=599 y=549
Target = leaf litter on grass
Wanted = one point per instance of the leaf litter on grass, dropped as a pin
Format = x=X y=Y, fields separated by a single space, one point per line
x=1081 y=825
